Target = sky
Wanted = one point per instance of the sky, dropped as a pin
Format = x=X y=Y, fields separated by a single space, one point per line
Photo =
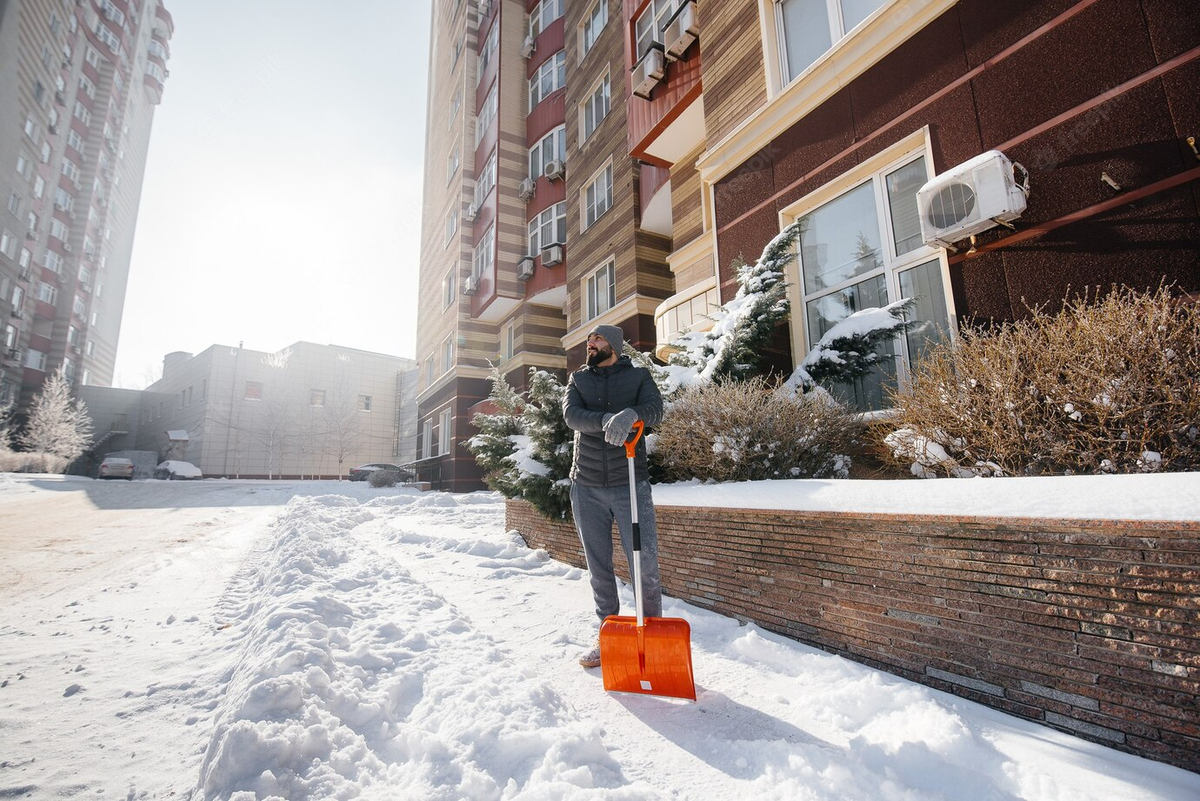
x=333 y=640
x=282 y=195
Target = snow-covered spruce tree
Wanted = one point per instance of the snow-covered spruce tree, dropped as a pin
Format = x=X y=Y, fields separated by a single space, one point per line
x=498 y=436
x=58 y=424
x=732 y=348
x=544 y=461
x=850 y=349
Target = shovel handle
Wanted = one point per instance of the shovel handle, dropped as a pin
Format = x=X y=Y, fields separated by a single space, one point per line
x=631 y=444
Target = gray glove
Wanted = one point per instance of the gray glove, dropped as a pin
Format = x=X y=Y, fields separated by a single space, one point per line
x=618 y=426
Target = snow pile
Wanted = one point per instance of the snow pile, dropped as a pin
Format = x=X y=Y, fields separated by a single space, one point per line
x=354 y=677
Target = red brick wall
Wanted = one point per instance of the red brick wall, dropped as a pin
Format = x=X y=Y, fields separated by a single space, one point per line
x=1089 y=626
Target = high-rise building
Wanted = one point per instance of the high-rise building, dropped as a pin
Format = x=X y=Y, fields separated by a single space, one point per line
x=694 y=132
x=79 y=82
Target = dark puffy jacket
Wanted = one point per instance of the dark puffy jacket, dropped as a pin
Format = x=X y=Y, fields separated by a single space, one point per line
x=593 y=392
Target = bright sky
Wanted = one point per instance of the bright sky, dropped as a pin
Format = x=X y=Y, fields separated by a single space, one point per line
x=282 y=198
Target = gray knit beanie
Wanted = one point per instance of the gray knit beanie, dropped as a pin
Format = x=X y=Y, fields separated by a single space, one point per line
x=613 y=335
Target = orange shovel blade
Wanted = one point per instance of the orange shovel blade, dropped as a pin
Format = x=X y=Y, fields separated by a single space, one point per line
x=655 y=660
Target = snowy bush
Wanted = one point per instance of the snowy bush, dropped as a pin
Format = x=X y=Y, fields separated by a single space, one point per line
x=383 y=478
x=524 y=445
x=1107 y=385
x=749 y=430
x=58 y=426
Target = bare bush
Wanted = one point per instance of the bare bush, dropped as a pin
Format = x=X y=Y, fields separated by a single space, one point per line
x=31 y=462
x=747 y=431
x=383 y=478
x=1107 y=385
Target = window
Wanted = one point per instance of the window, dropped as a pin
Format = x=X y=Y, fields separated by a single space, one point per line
x=364 y=403
x=488 y=51
x=39 y=186
x=510 y=340
x=447 y=354
x=597 y=197
x=8 y=244
x=448 y=283
x=601 y=290
x=75 y=141
x=451 y=226
x=543 y=14
x=58 y=230
x=63 y=200
x=863 y=249
x=35 y=360
x=90 y=348
x=87 y=87
x=24 y=166
x=548 y=228
x=808 y=28
x=18 y=298
x=550 y=77
x=651 y=23
x=253 y=390
x=487 y=113
x=10 y=337
x=428 y=370
x=486 y=180
x=14 y=204
x=316 y=397
x=595 y=21
x=31 y=128
x=82 y=114
x=455 y=104
x=444 y=422
x=46 y=293
x=92 y=56
x=452 y=163
x=595 y=108
x=485 y=253
x=552 y=146
x=53 y=261
x=427 y=439
x=26 y=258
x=70 y=170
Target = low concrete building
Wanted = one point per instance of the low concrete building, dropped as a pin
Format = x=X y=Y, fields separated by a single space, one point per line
x=306 y=411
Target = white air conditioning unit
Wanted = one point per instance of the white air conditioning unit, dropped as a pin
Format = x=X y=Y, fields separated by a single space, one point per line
x=527 y=47
x=525 y=268
x=974 y=196
x=681 y=31
x=555 y=169
x=469 y=215
x=552 y=255
x=67 y=247
x=525 y=188
x=76 y=349
x=471 y=285
x=648 y=72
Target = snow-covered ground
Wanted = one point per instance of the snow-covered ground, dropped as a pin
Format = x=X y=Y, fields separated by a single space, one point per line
x=331 y=640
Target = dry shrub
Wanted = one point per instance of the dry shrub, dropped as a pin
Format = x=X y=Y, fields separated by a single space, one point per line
x=1107 y=385
x=383 y=478
x=31 y=462
x=747 y=431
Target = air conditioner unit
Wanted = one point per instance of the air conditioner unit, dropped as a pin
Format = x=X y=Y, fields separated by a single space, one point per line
x=76 y=348
x=525 y=188
x=555 y=169
x=527 y=47
x=469 y=215
x=525 y=268
x=974 y=196
x=471 y=285
x=552 y=255
x=648 y=72
x=681 y=31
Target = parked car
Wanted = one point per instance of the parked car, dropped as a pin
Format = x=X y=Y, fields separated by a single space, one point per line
x=116 y=467
x=363 y=472
x=173 y=470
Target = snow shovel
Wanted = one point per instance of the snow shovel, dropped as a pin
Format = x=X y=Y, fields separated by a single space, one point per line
x=647 y=655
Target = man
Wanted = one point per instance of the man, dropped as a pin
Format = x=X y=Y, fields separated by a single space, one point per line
x=602 y=402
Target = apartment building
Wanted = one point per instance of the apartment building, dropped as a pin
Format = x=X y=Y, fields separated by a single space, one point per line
x=307 y=411
x=79 y=82
x=696 y=131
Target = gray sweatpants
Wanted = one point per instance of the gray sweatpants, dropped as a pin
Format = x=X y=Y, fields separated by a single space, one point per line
x=594 y=509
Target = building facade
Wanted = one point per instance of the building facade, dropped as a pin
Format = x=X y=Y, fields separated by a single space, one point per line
x=696 y=131
x=307 y=411
x=79 y=82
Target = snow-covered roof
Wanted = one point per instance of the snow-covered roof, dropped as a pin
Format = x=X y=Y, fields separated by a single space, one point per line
x=177 y=435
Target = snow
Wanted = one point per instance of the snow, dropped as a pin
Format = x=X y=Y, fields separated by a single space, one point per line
x=243 y=639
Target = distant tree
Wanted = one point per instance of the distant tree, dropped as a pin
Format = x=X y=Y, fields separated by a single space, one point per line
x=343 y=423
x=58 y=424
x=6 y=425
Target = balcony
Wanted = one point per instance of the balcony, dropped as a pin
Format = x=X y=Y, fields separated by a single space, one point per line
x=666 y=104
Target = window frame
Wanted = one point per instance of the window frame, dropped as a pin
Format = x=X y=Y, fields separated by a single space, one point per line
x=484 y=253
x=602 y=87
x=445 y=429
x=557 y=137
x=588 y=209
x=598 y=9
x=591 y=287
x=555 y=68
x=554 y=216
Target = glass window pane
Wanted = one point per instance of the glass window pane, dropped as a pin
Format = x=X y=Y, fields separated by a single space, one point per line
x=924 y=282
x=902 y=186
x=840 y=240
x=805 y=33
x=867 y=393
x=855 y=11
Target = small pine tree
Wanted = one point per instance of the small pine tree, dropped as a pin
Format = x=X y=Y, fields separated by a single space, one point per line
x=545 y=482
x=58 y=424
x=496 y=442
x=850 y=349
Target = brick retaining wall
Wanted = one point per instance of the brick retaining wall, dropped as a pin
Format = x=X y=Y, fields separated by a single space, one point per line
x=1090 y=626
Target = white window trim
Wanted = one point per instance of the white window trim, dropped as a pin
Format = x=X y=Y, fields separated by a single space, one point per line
x=910 y=147
x=588 y=16
x=445 y=424
x=589 y=97
x=592 y=273
x=583 y=223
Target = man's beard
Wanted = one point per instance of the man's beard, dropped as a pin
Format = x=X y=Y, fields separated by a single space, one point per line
x=599 y=356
